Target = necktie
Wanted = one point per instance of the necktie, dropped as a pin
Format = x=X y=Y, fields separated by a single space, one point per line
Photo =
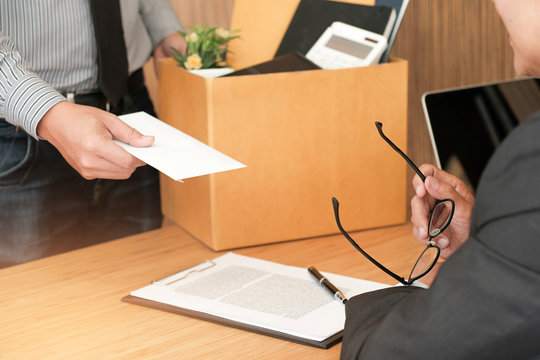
x=112 y=56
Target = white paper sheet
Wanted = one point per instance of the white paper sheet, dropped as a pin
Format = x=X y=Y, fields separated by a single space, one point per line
x=262 y=293
x=174 y=153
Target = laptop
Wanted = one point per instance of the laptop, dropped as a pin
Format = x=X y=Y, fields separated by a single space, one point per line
x=467 y=124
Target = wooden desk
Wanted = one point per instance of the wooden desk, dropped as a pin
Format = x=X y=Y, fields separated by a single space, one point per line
x=68 y=306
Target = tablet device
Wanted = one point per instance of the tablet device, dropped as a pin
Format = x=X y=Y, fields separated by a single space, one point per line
x=467 y=124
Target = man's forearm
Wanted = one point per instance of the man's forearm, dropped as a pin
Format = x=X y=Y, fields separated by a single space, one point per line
x=159 y=19
x=24 y=97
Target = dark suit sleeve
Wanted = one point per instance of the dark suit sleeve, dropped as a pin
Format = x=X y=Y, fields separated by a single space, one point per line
x=365 y=313
x=485 y=301
x=481 y=306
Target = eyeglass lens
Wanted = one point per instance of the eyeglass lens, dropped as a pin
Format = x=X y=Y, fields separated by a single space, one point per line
x=439 y=220
x=424 y=263
x=440 y=217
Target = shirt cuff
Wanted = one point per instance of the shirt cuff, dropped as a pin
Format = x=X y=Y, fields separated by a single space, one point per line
x=29 y=100
x=160 y=21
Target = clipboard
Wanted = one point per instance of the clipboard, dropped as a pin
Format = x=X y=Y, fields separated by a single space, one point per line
x=327 y=331
x=326 y=344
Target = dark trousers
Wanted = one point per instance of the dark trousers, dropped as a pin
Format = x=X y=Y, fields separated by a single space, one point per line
x=47 y=208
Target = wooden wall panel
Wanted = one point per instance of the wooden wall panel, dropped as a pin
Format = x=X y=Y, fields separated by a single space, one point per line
x=213 y=12
x=448 y=43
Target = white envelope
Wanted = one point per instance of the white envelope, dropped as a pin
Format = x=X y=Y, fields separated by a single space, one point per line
x=174 y=153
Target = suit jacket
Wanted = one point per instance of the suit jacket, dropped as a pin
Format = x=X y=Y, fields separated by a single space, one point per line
x=485 y=301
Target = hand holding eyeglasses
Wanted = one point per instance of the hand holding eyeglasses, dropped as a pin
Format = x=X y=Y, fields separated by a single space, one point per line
x=441 y=185
x=440 y=212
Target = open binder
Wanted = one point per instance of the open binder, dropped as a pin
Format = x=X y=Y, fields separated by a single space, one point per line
x=268 y=298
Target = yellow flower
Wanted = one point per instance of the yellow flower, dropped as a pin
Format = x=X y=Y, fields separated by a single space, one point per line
x=192 y=37
x=193 y=62
x=222 y=33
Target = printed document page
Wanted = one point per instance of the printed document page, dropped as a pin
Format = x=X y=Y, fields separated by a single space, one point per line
x=283 y=298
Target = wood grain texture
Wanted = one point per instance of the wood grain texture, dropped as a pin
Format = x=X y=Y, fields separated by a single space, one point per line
x=69 y=306
x=213 y=12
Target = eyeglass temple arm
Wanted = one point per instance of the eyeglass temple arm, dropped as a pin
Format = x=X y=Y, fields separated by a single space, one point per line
x=335 y=203
x=398 y=150
x=409 y=161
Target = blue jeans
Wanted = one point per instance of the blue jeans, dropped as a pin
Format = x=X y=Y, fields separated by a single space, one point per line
x=46 y=207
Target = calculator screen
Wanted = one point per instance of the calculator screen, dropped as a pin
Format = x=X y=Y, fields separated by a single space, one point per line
x=349 y=47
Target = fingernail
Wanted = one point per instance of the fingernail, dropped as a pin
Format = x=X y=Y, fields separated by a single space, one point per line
x=422 y=231
x=418 y=189
x=442 y=243
x=147 y=140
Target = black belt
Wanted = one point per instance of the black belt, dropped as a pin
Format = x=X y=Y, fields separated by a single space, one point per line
x=135 y=83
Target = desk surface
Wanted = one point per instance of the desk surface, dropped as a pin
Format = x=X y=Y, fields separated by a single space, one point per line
x=68 y=306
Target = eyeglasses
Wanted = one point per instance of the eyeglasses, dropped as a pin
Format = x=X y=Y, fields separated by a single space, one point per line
x=439 y=219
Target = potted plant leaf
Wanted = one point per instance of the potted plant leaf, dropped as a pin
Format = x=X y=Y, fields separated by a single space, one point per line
x=206 y=50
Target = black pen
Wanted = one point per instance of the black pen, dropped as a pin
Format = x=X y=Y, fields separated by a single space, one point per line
x=324 y=282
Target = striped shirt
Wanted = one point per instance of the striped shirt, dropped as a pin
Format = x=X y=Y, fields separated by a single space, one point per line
x=48 y=46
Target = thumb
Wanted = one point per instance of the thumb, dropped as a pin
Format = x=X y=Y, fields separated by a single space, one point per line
x=440 y=189
x=127 y=134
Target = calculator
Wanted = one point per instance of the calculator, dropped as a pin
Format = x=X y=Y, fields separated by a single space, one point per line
x=345 y=46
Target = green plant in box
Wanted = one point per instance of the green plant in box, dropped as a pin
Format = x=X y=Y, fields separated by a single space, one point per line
x=205 y=47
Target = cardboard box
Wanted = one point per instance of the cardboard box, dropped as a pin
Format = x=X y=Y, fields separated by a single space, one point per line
x=304 y=136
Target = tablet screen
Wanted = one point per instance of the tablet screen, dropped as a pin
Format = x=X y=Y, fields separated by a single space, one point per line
x=468 y=124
